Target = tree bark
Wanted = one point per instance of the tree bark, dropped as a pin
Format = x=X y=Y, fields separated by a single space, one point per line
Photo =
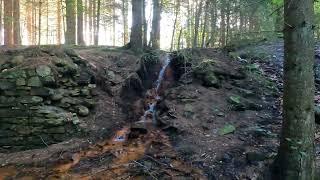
x=16 y=23
x=125 y=21
x=80 y=22
x=8 y=25
x=58 y=22
x=39 y=21
x=145 y=26
x=1 y=35
x=97 y=24
x=71 y=22
x=197 y=24
x=296 y=153
x=177 y=9
x=204 y=31
x=222 y=25
x=136 y=29
x=155 y=32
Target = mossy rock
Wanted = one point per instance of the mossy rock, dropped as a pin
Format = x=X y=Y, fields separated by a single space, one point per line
x=205 y=72
x=43 y=70
x=34 y=82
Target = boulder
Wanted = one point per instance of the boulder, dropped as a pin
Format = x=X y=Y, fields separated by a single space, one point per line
x=82 y=110
x=43 y=70
x=34 y=82
x=205 y=72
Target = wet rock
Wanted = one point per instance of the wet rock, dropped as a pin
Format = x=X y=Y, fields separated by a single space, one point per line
x=21 y=82
x=82 y=110
x=34 y=82
x=89 y=103
x=41 y=91
x=43 y=70
x=16 y=60
x=30 y=99
x=255 y=157
x=5 y=85
x=132 y=87
x=57 y=95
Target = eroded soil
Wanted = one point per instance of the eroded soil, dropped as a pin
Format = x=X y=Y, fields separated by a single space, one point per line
x=224 y=132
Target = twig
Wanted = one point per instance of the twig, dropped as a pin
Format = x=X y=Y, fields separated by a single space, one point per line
x=150 y=173
x=156 y=160
x=43 y=141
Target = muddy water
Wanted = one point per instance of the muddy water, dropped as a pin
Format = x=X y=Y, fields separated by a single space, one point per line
x=132 y=153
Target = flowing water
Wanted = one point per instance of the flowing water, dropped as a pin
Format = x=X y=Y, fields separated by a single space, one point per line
x=150 y=113
x=126 y=155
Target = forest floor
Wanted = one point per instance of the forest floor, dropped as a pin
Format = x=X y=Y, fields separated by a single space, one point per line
x=230 y=131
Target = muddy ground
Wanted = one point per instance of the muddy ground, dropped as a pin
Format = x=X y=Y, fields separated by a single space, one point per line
x=227 y=128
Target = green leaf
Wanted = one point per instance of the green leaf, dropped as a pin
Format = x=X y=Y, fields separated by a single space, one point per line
x=227 y=129
x=235 y=99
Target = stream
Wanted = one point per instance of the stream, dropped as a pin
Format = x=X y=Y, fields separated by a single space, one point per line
x=130 y=153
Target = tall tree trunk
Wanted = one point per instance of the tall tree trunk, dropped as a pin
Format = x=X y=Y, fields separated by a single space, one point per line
x=71 y=22
x=145 y=26
x=228 y=22
x=204 y=32
x=136 y=29
x=189 y=25
x=47 y=19
x=125 y=21
x=16 y=23
x=213 y=23
x=296 y=153
x=197 y=24
x=177 y=9
x=58 y=22
x=113 y=22
x=223 y=25
x=39 y=21
x=8 y=24
x=1 y=35
x=155 y=32
x=94 y=20
x=91 y=16
x=80 y=22
x=97 y=24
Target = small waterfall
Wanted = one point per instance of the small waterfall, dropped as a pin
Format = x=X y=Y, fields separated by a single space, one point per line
x=155 y=97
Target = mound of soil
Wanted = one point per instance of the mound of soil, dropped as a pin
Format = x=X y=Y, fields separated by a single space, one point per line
x=217 y=119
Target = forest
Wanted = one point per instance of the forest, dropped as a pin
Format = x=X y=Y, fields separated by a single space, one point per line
x=160 y=89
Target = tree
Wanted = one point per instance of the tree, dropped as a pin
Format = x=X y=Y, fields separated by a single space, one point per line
x=296 y=153
x=7 y=22
x=59 y=20
x=16 y=23
x=125 y=21
x=97 y=23
x=136 y=29
x=71 y=22
x=155 y=32
x=80 y=22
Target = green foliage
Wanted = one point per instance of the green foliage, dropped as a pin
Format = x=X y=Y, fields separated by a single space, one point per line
x=227 y=129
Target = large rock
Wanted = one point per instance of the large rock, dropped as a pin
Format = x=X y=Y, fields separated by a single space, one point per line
x=34 y=82
x=43 y=70
x=205 y=72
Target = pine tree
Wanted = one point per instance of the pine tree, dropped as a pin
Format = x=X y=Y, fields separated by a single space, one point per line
x=296 y=153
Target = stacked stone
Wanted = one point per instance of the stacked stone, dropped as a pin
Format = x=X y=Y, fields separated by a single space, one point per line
x=40 y=105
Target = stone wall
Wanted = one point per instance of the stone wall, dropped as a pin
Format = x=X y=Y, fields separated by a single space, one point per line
x=41 y=97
